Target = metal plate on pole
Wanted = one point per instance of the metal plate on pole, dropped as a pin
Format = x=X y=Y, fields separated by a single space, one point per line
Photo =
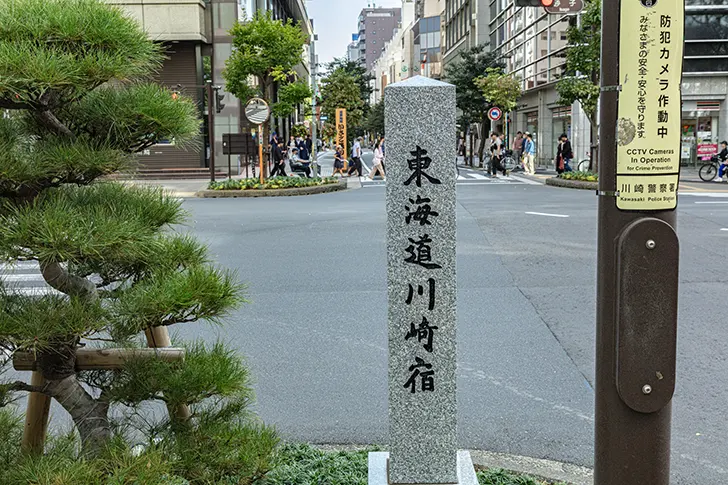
x=257 y=111
x=647 y=261
x=565 y=7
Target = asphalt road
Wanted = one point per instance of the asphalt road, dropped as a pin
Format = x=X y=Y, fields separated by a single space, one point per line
x=315 y=335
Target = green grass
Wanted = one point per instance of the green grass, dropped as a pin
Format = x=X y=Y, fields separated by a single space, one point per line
x=504 y=477
x=303 y=464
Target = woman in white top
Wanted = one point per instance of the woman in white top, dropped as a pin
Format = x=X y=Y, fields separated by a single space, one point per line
x=378 y=161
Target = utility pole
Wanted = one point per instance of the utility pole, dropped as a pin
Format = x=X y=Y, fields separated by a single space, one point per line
x=314 y=88
x=638 y=248
x=211 y=126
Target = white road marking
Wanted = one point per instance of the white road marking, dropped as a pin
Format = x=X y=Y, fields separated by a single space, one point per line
x=525 y=180
x=716 y=195
x=20 y=265
x=546 y=215
x=478 y=176
x=724 y=229
x=22 y=277
x=716 y=202
x=33 y=291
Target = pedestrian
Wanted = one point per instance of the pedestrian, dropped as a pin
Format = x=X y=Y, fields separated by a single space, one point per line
x=292 y=143
x=517 y=148
x=378 y=163
x=356 y=165
x=496 y=155
x=529 y=153
x=304 y=150
x=723 y=159
x=564 y=155
x=298 y=163
x=339 y=162
x=279 y=161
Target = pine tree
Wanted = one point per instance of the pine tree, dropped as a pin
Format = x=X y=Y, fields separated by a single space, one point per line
x=75 y=81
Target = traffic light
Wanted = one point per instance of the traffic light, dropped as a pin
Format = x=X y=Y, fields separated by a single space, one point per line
x=534 y=3
x=218 y=101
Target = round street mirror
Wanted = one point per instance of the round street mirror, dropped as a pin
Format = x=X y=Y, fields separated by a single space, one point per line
x=257 y=111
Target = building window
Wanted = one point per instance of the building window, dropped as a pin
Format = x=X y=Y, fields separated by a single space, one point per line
x=706 y=45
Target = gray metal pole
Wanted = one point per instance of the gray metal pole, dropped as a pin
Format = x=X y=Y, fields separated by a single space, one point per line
x=638 y=249
x=314 y=88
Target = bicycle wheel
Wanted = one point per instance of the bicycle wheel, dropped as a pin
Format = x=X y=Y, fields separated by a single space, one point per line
x=508 y=163
x=584 y=165
x=708 y=172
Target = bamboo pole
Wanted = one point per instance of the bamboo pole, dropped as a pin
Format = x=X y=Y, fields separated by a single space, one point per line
x=103 y=359
x=36 y=418
x=158 y=337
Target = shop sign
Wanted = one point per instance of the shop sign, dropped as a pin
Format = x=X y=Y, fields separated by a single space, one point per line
x=707 y=150
x=649 y=126
x=341 y=130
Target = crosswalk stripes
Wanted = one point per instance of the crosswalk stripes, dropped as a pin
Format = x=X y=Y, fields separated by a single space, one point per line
x=24 y=278
x=468 y=178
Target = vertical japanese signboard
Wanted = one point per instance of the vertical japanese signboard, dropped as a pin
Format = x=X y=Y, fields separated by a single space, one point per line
x=341 y=130
x=421 y=227
x=650 y=73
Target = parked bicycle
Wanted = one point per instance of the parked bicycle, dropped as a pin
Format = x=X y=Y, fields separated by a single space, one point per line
x=710 y=169
x=510 y=163
x=584 y=165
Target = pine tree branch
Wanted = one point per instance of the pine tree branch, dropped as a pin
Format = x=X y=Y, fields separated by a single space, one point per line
x=60 y=279
x=22 y=386
x=49 y=120
x=6 y=103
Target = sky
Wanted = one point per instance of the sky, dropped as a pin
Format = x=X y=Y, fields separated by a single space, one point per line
x=335 y=21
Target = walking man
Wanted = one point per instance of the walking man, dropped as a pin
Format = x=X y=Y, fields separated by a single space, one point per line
x=517 y=148
x=279 y=160
x=356 y=165
x=496 y=154
x=529 y=152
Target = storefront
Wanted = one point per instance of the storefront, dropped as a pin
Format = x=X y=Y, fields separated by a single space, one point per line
x=700 y=131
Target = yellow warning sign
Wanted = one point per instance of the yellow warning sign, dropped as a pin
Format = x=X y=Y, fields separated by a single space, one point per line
x=649 y=124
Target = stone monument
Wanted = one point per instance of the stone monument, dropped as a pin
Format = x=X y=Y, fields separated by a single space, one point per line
x=422 y=287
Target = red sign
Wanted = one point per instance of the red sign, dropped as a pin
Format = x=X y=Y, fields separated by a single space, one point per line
x=707 y=150
x=495 y=114
x=564 y=6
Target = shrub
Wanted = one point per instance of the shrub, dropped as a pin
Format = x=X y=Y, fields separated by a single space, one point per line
x=271 y=184
x=580 y=176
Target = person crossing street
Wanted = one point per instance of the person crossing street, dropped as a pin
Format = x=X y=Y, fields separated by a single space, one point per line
x=356 y=165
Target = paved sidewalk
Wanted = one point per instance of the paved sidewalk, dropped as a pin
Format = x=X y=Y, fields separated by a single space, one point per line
x=182 y=188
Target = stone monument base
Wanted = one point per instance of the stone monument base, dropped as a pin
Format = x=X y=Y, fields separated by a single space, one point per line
x=379 y=460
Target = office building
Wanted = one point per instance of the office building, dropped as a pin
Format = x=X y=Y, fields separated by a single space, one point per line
x=534 y=45
x=415 y=48
x=376 y=27
x=465 y=25
x=197 y=41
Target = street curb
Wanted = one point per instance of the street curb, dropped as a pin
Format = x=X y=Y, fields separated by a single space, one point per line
x=572 y=184
x=292 y=192
x=546 y=469
x=553 y=471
